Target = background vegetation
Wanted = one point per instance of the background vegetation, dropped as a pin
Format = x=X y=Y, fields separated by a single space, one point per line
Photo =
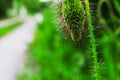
x=52 y=56
x=7 y=29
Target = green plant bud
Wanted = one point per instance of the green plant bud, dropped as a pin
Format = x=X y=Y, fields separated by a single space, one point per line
x=73 y=15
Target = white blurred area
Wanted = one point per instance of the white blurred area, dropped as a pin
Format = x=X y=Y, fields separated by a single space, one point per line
x=39 y=18
x=44 y=0
x=13 y=48
x=14 y=45
x=23 y=12
x=57 y=1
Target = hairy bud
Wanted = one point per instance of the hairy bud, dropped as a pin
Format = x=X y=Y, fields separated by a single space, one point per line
x=73 y=15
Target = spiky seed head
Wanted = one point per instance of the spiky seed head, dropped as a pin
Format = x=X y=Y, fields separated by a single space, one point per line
x=73 y=15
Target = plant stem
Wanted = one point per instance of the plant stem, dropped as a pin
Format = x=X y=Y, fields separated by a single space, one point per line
x=92 y=39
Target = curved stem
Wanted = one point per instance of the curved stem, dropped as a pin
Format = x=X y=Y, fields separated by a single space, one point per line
x=92 y=39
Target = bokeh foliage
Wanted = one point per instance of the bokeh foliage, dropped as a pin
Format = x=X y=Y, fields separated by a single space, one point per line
x=4 y=5
x=32 y=6
x=52 y=57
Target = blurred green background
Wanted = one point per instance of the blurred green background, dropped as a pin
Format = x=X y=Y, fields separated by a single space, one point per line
x=52 y=56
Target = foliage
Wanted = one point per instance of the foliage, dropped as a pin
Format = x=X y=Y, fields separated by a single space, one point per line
x=4 y=5
x=7 y=29
x=51 y=57
x=54 y=57
x=32 y=6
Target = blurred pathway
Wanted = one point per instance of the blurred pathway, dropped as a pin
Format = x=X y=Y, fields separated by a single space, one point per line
x=13 y=47
x=5 y=23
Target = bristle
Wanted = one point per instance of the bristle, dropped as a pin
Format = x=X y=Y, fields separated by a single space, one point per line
x=73 y=12
x=73 y=17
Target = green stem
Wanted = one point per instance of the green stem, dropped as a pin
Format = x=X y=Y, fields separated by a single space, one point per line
x=92 y=39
